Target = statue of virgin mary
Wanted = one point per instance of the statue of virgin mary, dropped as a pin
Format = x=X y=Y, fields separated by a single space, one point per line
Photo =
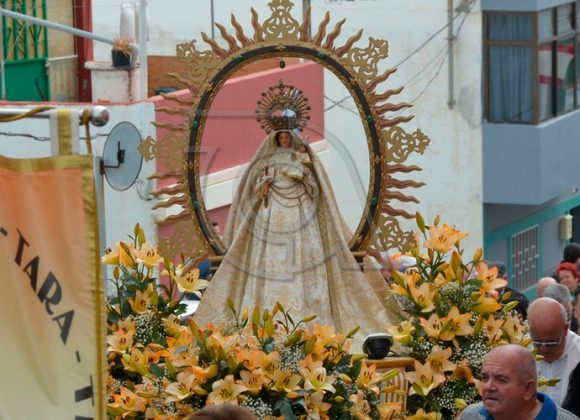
x=286 y=239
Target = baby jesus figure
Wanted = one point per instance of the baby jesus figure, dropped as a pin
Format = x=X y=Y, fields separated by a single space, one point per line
x=300 y=162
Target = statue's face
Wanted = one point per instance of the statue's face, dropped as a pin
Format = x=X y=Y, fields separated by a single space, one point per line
x=284 y=139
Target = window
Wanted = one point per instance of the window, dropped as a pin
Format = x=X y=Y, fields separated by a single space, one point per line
x=532 y=64
x=524 y=258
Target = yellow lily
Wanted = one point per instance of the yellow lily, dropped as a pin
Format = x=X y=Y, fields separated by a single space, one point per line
x=148 y=255
x=172 y=325
x=128 y=324
x=424 y=379
x=140 y=303
x=183 y=357
x=120 y=341
x=458 y=325
x=225 y=391
x=489 y=280
x=126 y=255
x=287 y=383
x=315 y=406
x=203 y=374
x=486 y=305
x=387 y=411
x=462 y=370
x=190 y=282
x=402 y=333
x=492 y=329
x=421 y=414
x=368 y=377
x=186 y=386
x=514 y=329
x=147 y=388
x=253 y=381
x=315 y=377
x=137 y=362
x=439 y=359
x=422 y=295
x=360 y=408
x=443 y=239
x=269 y=363
x=111 y=256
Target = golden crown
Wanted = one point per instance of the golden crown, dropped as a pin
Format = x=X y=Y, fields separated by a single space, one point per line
x=282 y=107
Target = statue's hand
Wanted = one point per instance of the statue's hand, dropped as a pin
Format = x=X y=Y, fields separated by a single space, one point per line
x=266 y=178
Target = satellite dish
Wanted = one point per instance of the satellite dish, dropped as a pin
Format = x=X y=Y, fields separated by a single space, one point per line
x=122 y=160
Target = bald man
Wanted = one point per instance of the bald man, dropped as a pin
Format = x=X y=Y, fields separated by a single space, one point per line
x=543 y=283
x=559 y=346
x=509 y=389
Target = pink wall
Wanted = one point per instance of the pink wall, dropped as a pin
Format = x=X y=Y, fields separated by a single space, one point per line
x=232 y=134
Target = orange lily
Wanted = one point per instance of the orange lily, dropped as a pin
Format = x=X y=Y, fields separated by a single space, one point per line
x=432 y=326
x=443 y=239
x=456 y=325
x=315 y=406
x=492 y=329
x=127 y=404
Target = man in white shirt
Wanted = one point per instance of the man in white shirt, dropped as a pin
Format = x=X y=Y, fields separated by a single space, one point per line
x=559 y=346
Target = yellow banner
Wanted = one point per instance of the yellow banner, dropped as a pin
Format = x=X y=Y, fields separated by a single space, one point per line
x=52 y=326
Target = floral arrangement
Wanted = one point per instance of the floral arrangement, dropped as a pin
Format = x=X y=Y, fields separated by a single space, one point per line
x=161 y=367
x=455 y=318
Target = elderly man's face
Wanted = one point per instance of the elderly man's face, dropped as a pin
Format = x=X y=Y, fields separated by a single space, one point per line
x=549 y=339
x=502 y=391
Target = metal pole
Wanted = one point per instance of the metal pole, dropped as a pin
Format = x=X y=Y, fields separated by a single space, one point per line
x=64 y=28
x=2 y=58
x=99 y=115
x=450 y=43
x=212 y=17
x=143 y=82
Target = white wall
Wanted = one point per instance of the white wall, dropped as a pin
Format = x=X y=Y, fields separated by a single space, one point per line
x=174 y=21
x=452 y=167
x=123 y=209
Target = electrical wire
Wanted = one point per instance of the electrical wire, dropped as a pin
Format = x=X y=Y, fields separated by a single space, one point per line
x=41 y=138
x=444 y=49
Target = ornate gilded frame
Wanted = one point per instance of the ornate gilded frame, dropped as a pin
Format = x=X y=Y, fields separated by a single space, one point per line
x=282 y=35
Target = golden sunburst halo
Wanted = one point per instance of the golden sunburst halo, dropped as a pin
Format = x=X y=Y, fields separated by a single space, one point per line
x=358 y=69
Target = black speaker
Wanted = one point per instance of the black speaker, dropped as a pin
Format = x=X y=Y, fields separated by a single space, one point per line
x=377 y=346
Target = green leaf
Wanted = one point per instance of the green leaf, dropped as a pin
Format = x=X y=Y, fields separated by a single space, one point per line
x=355 y=369
x=158 y=371
x=170 y=368
x=284 y=407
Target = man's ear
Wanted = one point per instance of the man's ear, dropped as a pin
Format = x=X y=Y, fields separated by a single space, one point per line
x=531 y=390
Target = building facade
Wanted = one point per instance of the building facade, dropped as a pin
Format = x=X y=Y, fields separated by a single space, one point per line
x=531 y=140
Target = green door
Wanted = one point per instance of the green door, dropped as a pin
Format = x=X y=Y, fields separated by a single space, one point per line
x=26 y=52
